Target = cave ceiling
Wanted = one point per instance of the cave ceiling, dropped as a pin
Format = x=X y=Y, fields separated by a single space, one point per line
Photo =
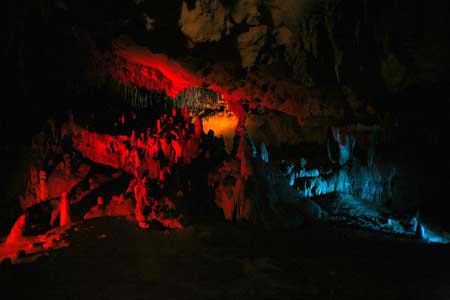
x=305 y=58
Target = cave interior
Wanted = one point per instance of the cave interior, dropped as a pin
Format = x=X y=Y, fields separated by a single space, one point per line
x=225 y=149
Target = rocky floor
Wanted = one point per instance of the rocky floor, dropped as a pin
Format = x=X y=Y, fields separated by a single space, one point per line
x=110 y=258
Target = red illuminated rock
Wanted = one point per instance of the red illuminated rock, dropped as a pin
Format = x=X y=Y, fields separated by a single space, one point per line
x=171 y=223
x=96 y=211
x=185 y=113
x=64 y=210
x=43 y=189
x=133 y=65
x=141 y=197
x=198 y=127
x=120 y=206
x=17 y=232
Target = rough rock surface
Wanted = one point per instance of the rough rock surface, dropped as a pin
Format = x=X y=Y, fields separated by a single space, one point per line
x=205 y=22
x=250 y=44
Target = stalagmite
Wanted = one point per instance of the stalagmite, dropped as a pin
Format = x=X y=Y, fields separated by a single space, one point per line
x=97 y=210
x=264 y=153
x=345 y=143
x=140 y=194
x=185 y=113
x=43 y=190
x=198 y=126
x=17 y=232
x=64 y=210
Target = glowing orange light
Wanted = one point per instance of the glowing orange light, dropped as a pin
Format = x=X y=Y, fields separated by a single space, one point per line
x=223 y=124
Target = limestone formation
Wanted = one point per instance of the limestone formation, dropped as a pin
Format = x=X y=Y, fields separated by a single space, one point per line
x=64 y=210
